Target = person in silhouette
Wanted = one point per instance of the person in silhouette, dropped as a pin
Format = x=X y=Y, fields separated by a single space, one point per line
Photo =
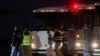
x=57 y=40
x=16 y=42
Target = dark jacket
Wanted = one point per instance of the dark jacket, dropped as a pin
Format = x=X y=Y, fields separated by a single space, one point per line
x=57 y=36
x=17 y=38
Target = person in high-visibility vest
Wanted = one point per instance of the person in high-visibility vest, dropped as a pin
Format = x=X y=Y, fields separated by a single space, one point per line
x=27 y=43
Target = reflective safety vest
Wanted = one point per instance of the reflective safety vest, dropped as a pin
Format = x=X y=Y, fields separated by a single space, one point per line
x=26 y=40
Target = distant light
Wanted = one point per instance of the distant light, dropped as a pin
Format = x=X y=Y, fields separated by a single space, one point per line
x=51 y=10
x=33 y=37
x=78 y=36
x=78 y=44
x=42 y=10
x=91 y=7
x=96 y=4
x=62 y=10
x=75 y=6
x=95 y=45
x=34 y=10
x=47 y=10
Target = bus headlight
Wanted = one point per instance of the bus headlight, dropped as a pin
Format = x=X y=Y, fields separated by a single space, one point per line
x=95 y=45
x=78 y=44
x=33 y=46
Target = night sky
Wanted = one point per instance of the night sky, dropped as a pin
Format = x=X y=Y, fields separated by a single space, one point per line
x=12 y=12
x=33 y=4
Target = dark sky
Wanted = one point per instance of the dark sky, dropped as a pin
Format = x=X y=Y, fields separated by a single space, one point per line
x=13 y=12
x=33 y=4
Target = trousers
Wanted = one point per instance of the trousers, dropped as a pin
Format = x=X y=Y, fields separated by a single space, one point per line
x=27 y=50
x=16 y=51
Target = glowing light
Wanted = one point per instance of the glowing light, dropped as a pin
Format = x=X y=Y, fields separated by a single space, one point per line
x=33 y=46
x=77 y=35
x=75 y=6
x=33 y=37
x=96 y=49
x=51 y=10
x=42 y=10
x=97 y=4
x=34 y=10
x=91 y=7
x=62 y=10
x=94 y=45
x=47 y=10
x=96 y=54
x=78 y=44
